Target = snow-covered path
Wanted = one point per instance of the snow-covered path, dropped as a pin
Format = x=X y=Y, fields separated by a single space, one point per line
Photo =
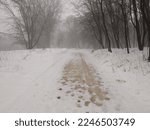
x=35 y=77
x=43 y=87
x=61 y=80
x=30 y=82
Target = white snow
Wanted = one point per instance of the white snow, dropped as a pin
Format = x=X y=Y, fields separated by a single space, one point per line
x=29 y=80
x=127 y=78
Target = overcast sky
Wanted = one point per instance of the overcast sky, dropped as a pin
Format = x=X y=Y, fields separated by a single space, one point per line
x=67 y=8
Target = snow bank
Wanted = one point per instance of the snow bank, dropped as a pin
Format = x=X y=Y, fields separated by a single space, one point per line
x=127 y=78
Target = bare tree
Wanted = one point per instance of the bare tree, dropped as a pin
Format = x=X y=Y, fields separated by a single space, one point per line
x=124 y=9
x=135 y=18
x=115 y=20
x=92 y=18
x=31 y=18
x=104 y=24
x=105 y=20
x=145 y=10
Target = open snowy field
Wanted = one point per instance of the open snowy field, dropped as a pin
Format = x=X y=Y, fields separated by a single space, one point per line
x=62 y=80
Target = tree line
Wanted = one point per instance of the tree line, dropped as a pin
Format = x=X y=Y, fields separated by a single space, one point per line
x=32 y=19
x=114 y=22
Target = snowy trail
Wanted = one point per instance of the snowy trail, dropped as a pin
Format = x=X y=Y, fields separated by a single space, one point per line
x=82 y=84
x=43 y=92
x=61 y=80
x=27 y=95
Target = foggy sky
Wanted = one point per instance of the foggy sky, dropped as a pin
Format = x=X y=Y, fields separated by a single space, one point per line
x=67 y=8
x=3 y=21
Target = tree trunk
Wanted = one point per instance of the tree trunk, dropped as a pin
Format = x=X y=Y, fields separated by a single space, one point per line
x=105 y=27
x=124 y=13
x=137 y=25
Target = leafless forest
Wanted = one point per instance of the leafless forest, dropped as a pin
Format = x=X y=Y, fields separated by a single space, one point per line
x=98 y=24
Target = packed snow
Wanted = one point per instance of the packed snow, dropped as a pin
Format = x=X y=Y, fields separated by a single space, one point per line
x=62 y=80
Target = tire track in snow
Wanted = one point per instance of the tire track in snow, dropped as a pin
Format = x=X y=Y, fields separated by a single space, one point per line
x=83 y=82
